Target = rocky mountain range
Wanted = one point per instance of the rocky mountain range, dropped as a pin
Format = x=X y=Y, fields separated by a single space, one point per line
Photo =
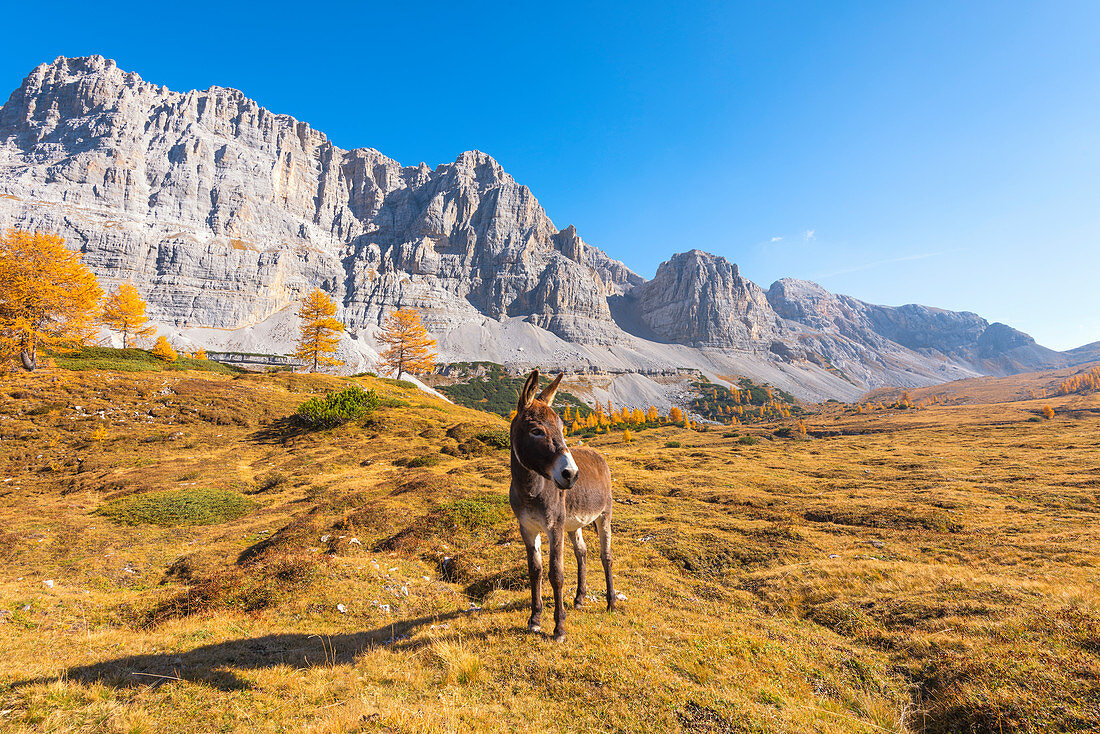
x=223 y=214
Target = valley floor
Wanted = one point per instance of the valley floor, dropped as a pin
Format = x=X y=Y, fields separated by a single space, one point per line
x=928 y=570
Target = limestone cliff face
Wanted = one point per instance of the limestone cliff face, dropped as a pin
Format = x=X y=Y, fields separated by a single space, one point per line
x=223 y=213
x=701 y=299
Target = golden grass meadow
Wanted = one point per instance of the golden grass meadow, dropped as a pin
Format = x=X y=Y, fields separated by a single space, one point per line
x=178 y=554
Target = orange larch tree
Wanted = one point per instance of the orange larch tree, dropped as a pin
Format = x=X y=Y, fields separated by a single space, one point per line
x=408 y=346
x=163 y=350
x=320 y=332
x=48 y=296
x=124 y=312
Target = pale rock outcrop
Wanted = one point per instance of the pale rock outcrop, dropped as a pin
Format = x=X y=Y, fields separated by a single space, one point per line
x=701 y=299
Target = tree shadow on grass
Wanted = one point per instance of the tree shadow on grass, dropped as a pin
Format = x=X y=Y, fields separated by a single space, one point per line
x=280 y=431
x=213 y=665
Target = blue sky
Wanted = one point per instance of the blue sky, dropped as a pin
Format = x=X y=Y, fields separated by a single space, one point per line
x=942 y=153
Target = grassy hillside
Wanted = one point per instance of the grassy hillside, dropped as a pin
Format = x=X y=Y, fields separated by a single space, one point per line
x=486 y=386
x=214 y=565
x=135 y=360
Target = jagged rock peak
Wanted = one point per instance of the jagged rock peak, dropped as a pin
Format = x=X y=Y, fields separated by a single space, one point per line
x=701 y=299
x=224 y=213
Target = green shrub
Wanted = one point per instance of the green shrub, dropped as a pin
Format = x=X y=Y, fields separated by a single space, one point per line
x=673 y=444
x=191 y=506
x=336 y=408
x=426 y=460
x=474 y=514
x=498 y=438
x=746 y=440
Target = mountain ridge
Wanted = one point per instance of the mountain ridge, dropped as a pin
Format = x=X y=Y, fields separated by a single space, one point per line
x=224 y=213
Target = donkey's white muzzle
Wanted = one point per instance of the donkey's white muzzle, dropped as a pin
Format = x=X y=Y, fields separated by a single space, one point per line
x=565 y=471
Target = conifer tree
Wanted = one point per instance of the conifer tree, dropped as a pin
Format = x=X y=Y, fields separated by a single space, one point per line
x=47 y=298
x=408 y=346
x=163 y=350
x=320 y=332
x=124 y=313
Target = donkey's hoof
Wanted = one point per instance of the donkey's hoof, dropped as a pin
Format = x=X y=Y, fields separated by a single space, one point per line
x=559 y=635
x=533 y=627
x=578 y=602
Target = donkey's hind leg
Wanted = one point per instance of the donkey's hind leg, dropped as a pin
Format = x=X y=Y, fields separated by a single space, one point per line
x=580 y=550
x=603 y=525
x=533 y=541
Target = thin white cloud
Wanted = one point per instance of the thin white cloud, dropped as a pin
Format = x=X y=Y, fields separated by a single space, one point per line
x=776 y=239
x=810 y=234
x=877 y=263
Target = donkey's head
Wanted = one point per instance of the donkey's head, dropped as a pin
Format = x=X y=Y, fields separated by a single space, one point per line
x=537 y=440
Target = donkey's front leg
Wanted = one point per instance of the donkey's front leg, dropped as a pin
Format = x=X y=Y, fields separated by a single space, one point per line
x=557 y=579
x=581 y=551
x=533 y=541
x=604 y=528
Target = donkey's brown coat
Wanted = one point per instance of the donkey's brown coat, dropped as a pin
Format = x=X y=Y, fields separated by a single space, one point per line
x=556 y=491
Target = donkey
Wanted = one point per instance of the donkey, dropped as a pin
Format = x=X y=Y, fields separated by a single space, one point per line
x=557 y=492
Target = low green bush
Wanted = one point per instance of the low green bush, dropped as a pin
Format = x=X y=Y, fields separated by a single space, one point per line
x=673 y=444
x=425 y=460
x=474 y=514
x=498 y=438
x=191 y=506
x=746 y=440
x=336 y=408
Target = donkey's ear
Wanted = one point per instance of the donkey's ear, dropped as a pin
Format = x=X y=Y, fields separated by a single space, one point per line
x=527 y=394
x=547 y=395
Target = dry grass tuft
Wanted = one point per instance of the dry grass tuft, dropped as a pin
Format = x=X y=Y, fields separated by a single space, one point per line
x=460 y=664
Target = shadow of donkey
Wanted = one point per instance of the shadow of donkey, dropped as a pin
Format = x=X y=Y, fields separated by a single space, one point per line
x=212 y=664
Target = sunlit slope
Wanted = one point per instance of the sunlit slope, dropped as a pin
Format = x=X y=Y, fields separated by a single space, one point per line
x=919 y=570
